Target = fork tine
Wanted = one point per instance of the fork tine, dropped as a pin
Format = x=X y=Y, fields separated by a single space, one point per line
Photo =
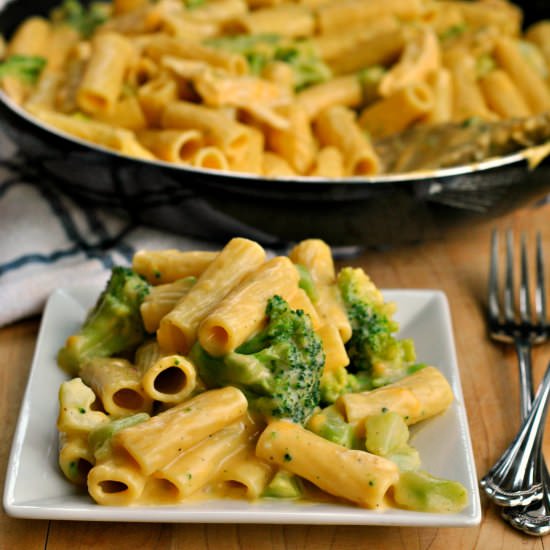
x=524 y=302
x=493 y=291
x=540 y=291
x=509 y=299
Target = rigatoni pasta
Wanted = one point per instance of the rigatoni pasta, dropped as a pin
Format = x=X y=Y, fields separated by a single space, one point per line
x=275 y=392
x=261 y=87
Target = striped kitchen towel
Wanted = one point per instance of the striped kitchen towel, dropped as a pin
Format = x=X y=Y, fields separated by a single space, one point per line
x=49 y=241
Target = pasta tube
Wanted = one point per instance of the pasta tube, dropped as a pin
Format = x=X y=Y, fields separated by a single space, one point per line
x=377 y=47
x=468 y=101
x=275 y=166
x=117 y=384
x=338 y=127
x=416 y=397
x=203 y=463
x=358 y=476
x=123 y=6
x=30 y=38
x=161 y=46
x=398 y=111
x=344 y=90
x=172 y=145
x=539 y=34
x=115 y=482
x=502 y=95
x=531 y=86
x=329 y=163
x=121 y=140
x=167 y=266
x=155 y=443
x=284 y=20
x=336 y=355
x=315 y=255
x=242 y=312
x=155 y=94
x=161 y=300
x=75 y=458
x=219 y=12
x=142 y=20
x=178 y=329
x=340 y=15
x=126 y=113
x=211 y=158
x=251 y=160
x=248 y=474
x=168 y=379
x=300 y=300
x=61 y=40
x=102 y=81
x=420 y=57
x=441 y=85
x=219 y=130
x=296 y=144
x=44 y=95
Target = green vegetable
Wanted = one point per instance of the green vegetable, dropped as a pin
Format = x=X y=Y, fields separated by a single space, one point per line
x=100 y=437
x=454 y=31
x=387 y=435
x=75 y=407
x=261 y=49
x=406 y=458
x=114 y=324
x=330 y=424
x=283 y=485
x=306 y=282
x=24 y=67
x=340 y=381
x=370 y=78
x=85 y=19
x=426 y=493
x=377 y=357
x=192 y=4
x=484 y=65
x=386 y=432
x=278 y=369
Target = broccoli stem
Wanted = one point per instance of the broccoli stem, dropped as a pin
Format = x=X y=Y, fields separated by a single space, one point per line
x=24 y=67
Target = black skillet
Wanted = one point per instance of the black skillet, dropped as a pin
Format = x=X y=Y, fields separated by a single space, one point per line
x=379 y=211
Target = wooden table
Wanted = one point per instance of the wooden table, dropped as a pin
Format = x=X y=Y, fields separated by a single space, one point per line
x=455 y=263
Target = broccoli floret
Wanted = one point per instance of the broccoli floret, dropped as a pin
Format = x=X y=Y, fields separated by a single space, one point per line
x=377 y=357
x=114 y=324
x=24 y=67
x=330 y=424
x=85 y=19
x=279 y=369
x=261 y=49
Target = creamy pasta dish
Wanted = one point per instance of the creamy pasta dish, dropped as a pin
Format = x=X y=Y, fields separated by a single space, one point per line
x=228 y=374
x=279 y=88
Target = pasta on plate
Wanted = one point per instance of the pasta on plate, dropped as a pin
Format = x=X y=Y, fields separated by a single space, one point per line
x=201 y=375
x=274 y=88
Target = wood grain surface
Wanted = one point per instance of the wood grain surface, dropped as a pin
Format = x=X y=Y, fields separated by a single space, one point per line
x=456 y=262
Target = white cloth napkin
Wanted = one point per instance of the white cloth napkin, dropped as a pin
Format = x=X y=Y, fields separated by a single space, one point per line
x=48 y=241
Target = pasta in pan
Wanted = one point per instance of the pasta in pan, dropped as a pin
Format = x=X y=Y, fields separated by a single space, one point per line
x=275 y=89
x=280 y=378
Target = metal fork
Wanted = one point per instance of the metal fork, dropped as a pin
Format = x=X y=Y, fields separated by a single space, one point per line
x=523 y=330
x=515 y=480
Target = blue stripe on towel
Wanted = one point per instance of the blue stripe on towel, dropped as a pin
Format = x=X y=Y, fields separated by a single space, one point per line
x=105 y=245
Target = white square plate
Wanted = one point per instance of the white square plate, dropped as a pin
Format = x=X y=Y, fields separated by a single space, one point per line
x=35 y=488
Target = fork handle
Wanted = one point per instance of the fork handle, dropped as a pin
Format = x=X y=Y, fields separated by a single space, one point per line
x=523 y=349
